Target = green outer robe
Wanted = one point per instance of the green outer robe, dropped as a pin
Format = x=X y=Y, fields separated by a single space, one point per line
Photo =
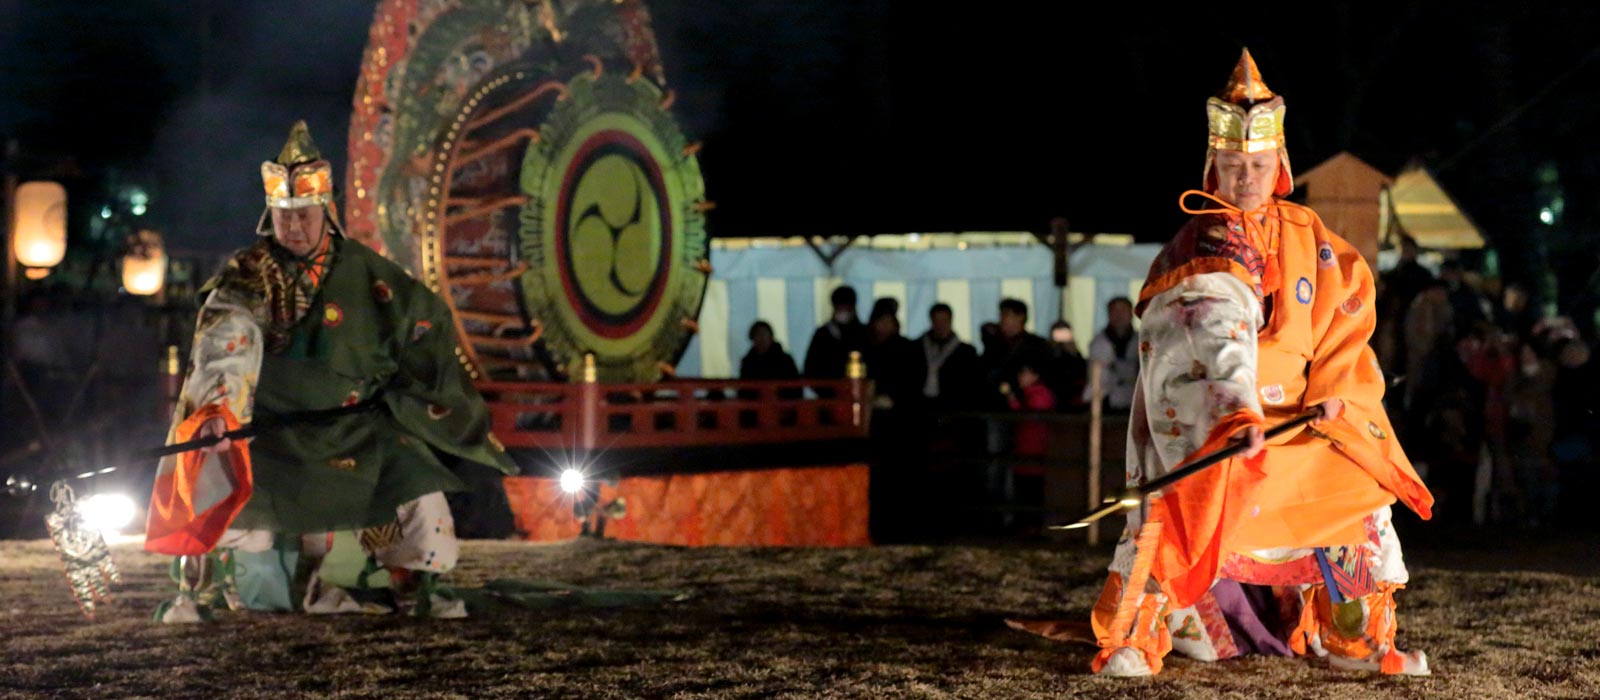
x=369 y=326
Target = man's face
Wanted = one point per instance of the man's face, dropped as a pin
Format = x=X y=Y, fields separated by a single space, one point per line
x=1012 y=323
x=844 y=313
x=298 y=230
x=1120 y=317
x=1245 y=180
x=762 y=340
x=941 y=324
x=885 y=327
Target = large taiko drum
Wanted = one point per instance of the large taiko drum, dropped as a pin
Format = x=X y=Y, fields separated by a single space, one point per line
x=521 y=159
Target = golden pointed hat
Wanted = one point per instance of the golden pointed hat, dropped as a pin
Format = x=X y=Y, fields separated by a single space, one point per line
x=299 y=177
x=1246 y=116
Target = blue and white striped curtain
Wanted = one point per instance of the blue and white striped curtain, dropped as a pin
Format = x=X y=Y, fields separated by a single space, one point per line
x=789 y=287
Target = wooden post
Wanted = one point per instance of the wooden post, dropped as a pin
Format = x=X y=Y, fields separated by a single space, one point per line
x=8 y=286
x=856 y=372
x=171 y=382
x=589 y=405
x=1095 y=371
x=1060 y=251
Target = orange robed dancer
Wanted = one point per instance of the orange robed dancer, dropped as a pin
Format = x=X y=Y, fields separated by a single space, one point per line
x=1252 y=314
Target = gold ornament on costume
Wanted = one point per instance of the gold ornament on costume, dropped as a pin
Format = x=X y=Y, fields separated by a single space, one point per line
x=275 y=178
x=299 y=149
x=1245 y=85
x=1247 y=116
x=299 y=177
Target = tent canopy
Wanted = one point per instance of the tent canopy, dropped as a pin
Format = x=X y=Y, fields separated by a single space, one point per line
x=1423 y=210
x=786 y=283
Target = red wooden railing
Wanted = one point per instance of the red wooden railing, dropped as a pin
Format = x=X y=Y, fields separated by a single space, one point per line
x=678 y=413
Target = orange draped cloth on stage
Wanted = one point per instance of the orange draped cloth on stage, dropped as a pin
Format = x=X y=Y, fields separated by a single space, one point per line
x=793 y=507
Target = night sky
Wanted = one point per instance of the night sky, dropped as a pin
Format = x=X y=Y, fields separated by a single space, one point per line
x=868 y=116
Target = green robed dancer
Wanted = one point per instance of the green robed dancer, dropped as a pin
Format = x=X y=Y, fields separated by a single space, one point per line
x=302 y=321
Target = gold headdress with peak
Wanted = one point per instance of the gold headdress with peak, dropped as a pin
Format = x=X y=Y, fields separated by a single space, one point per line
x=298 y=178
x=1246 y=116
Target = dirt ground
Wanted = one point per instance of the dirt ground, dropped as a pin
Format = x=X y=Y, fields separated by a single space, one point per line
x=889 y=622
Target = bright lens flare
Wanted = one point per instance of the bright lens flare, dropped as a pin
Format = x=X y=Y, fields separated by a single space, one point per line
x=107 y=512
x=571 y=480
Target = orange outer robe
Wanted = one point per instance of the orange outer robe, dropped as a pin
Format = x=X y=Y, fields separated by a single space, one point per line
x=1311 y=487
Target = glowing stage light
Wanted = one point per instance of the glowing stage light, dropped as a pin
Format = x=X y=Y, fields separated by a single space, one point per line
x=107 y=512
x=571 y=480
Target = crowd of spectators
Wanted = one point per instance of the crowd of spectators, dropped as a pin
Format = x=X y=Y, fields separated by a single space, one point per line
x=1017 y=369
x=1490 y=394
x=938 y=398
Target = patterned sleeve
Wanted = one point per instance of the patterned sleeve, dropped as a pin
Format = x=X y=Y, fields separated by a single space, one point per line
x=1198 y=354
x=1205 y=245
x=226 y=360
x=224 y=366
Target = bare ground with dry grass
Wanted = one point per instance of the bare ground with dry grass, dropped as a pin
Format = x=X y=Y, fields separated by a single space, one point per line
x=890 y=622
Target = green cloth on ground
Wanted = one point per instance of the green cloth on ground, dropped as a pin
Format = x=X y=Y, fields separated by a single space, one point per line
x=265 y=580
x=347 y=565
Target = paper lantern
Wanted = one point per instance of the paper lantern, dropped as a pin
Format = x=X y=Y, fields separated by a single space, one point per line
x=144 y=268
x=39 y=232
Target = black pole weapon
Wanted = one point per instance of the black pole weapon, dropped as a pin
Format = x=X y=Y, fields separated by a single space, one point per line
x=1133 y=497
x=262 y=424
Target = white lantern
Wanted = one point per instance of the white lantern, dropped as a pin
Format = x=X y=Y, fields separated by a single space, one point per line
x=39 y=231
x=144 y=268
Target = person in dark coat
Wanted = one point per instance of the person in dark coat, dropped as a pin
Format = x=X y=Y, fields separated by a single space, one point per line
x=1012 y=347
x=766 y=359
x=1402 y=284
x=893 y=362
x=1068 y=369
x=951 y=374
x=829 y=352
